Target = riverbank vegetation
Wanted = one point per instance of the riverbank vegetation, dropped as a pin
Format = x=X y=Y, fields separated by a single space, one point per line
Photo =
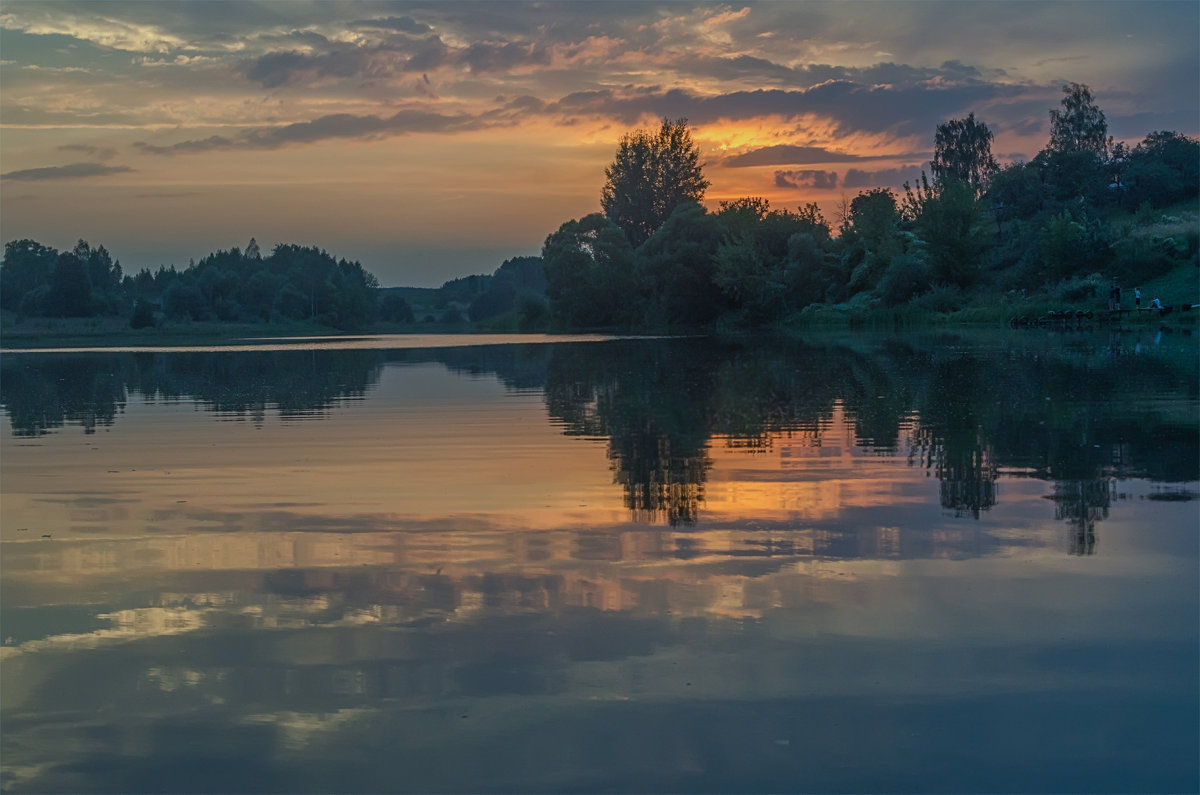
x=971 y=241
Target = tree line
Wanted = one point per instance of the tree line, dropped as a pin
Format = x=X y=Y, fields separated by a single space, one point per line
x=656 y=257
x=291 y=283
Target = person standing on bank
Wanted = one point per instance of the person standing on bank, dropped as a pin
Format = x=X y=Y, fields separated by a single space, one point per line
x=1137 y=297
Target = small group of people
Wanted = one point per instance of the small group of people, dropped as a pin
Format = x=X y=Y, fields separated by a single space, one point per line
x=1137 y=300
x=1114 y=298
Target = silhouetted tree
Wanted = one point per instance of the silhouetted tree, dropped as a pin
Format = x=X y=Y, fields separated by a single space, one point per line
x=1015 y=191
x=870 y=241
x=963 y=152
x=69 y=295
x=946 y=217
x=675 y=269
x=589 y=270
x=1080 y=125
x=27 y=266
x=394 y=309
x=1162 y=169
x=650 y=176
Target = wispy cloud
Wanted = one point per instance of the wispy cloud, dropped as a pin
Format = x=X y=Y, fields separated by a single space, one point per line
x=401 y=24
x=72 y=171
x=331 y=127
x=209 y=144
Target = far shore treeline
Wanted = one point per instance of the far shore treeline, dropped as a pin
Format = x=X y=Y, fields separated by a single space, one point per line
x=972 y=239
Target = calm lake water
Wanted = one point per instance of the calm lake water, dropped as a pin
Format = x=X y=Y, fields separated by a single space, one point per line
x=884 y=563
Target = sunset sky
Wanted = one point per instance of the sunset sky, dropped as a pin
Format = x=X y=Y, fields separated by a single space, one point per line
x=435 y=140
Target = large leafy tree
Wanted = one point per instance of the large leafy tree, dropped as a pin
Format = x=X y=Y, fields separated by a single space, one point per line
x=870 y=238
x=589 y=274
x=1163 y=168
x=946 y=216
x=963 y=152
x=69 y=295
x=27 y=266
x=652 y=174
x=674 y=269
x=1080 y=125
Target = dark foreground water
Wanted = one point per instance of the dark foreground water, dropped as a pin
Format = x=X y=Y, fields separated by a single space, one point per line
x=868 y=563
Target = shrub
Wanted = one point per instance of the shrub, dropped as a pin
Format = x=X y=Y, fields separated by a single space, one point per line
x=1085 y=289
x=532 y=312
x=942 y=298
x=143 y=315
x=906 y=277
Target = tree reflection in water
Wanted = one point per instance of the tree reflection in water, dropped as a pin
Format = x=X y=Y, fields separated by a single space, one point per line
x=1070 y=414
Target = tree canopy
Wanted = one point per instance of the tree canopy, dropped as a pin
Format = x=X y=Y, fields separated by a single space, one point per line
x=652 y=174
x=963 y=151
x=1080 y=124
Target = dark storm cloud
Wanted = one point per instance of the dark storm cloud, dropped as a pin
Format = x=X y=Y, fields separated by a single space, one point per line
x=821 y=180
x=887 y=177
x=72 y=171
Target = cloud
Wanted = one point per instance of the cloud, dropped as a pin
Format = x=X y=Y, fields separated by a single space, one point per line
x=399 y=24
x=346 y=125
x=820 y=180
x=788 y=155
x=430 y=54
x=851 y=106
x=187 y=147
x=98 y=152
x=723 y=16
x=284 y=67
x=276 y=69
x=330 y=127
x=493 y=57
x=887 y=177
x=72 y=171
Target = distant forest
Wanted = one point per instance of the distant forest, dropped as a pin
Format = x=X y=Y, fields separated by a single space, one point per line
x=291 y=283
x=1082 y=212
